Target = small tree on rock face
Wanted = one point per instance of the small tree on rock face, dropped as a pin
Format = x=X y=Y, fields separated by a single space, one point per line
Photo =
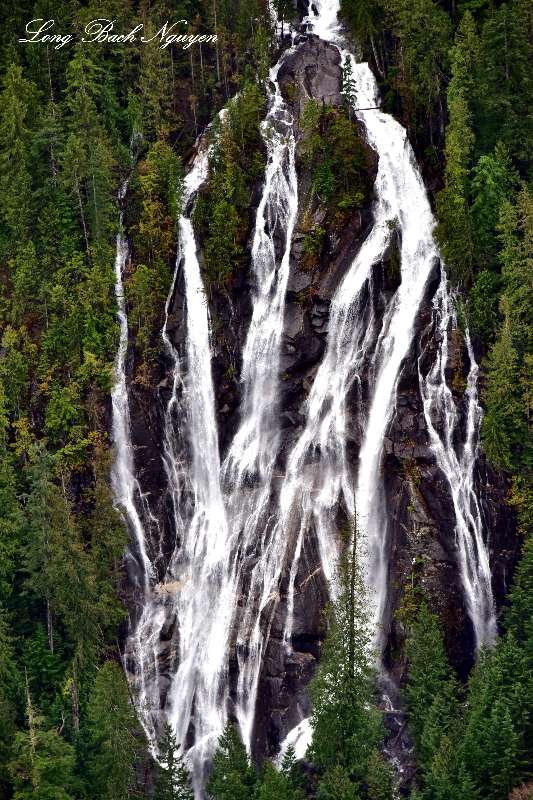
x=173 y=779
x=346 y=722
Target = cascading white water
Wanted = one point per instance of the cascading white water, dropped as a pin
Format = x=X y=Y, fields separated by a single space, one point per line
x=224 y=522
x=195 y=585
x=458 y=465
x=252 y=455
x=126 y=489
x=204 y=603
x=318 y=474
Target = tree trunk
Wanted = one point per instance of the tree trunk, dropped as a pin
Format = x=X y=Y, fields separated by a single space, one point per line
x=49 y=625
x=75 y=704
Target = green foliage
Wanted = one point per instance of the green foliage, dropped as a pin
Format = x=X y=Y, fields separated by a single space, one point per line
x=505 y=86
x=116 y=739
x=42 y=762
x=291 y=769
x=431 y=693
x=346 y=722
x=379 y=778
x=363 y=17
x=276 y=785
x=506 y=428
x=336 y=784
x=454 y=233
x=486 y=749
x=221 y=212
x=423 y=58
x=173 y=780
x=233 y=776
x=332 y=146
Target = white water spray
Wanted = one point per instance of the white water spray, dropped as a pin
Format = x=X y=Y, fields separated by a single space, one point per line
x=226 y=526
x=458 y=465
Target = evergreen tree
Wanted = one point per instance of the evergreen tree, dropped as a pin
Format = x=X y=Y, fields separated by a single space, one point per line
x=276 y=785
x=291 y=769
x=336 y=784
x=173 y=780
x=363 y=17
x=379 y=778
x=431 y=692
x=494 y=181
x=425 y=30
x=233 y=776
x=16 y=111
x=42 y=763
x=506 y=428
x=116 y=740
x=8 y=696
x=454 y=233
x=519 y=615
x=345 y=720
x=495 y=750
x=504 y=84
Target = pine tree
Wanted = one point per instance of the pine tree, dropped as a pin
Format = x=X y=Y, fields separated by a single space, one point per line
x=291 y=769
x=363 y=17
x=494 y=181
x=172 y=780
x=116 y=740
x=379 y=778
x=42 y=763
x=233 y=777
x=336 y=784
x=17 y=103
x=425 y=30
x=345 y=720
x=454 y=232
x=275 y=785
x=431 y=693
x=504 y=84
x=495 y=751
x=9 y=685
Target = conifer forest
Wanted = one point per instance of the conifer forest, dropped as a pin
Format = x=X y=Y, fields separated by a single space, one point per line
x=266 y=399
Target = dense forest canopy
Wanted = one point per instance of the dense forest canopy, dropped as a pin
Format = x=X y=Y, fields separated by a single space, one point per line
x=75 y=123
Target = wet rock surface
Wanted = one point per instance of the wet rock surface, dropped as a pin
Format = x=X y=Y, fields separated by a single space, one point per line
x=421 y=534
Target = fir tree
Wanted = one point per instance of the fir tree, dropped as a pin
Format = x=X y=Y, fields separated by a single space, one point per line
x=172 y=780
x=454 y=233
x=276 y=785
x=345 y=720
x=42 y=763
x=233 y=777
x=431 y=692
x=116 y=740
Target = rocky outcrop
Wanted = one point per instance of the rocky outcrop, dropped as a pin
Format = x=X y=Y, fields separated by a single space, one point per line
x=421 y=535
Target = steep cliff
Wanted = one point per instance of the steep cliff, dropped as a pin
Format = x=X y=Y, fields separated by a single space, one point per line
x=421 y=538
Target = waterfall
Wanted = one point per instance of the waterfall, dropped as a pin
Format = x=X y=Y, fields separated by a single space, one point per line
x=252 y=455
x=203 y=604
x=239 y=528
x=458 y=465
x=141 y=647
x=126 y=488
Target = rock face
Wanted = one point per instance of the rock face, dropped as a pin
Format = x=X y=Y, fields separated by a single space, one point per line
x=421 y=532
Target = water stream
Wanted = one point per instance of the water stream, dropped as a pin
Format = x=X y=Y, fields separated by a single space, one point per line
x=236 y=535
x=457 y=460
